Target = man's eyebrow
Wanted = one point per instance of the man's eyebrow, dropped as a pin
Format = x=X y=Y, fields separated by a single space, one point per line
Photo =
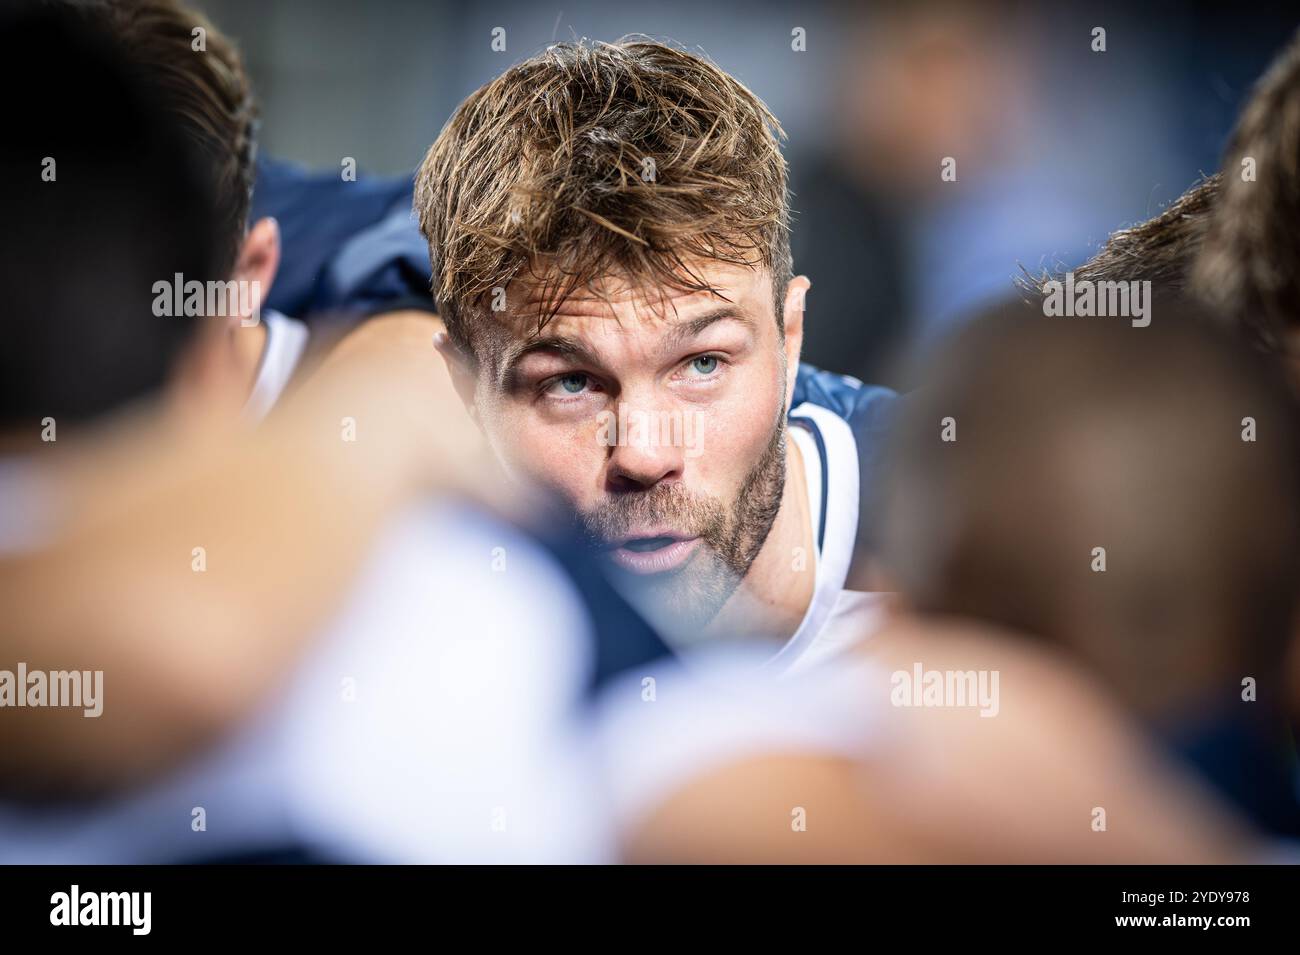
x=688 y=330
x=557 y=344
x=508 y=368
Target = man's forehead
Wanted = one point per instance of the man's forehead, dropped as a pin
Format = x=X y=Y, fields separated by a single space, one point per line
x=618 y=299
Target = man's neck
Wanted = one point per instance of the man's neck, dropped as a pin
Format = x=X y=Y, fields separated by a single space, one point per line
x=772 y=600
x=249 y=344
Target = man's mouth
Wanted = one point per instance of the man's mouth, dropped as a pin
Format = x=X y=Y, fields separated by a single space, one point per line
x=653 y=553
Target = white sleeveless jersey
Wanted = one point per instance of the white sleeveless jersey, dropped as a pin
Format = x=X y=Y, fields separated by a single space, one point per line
x=836 y=618
x=286 y=342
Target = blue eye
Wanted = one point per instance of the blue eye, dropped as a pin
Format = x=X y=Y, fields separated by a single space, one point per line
x=573 y=384
x=705 y=364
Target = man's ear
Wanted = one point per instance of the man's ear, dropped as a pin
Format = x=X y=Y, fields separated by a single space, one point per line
x=258 y=261
x=792 y=315
x=461 y=369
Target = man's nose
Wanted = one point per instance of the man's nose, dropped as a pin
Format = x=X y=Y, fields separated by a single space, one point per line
x=646 y=452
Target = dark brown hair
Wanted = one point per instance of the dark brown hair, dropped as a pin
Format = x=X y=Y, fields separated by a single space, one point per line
x=79 y=255
x=1160 y=250
x=206 y=92
x=1250 y=264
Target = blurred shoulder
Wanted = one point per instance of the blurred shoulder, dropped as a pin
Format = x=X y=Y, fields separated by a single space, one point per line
x=863 y=406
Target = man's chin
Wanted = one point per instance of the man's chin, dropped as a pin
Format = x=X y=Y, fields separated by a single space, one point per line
x=685 y=598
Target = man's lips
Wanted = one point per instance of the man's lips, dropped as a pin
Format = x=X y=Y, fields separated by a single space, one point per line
x=653 y=553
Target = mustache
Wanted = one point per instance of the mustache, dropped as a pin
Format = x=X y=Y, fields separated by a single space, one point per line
x=664 y=505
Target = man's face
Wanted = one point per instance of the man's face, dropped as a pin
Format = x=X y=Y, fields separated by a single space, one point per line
x=661 y=420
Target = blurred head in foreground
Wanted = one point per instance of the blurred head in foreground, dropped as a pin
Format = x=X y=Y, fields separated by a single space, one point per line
x=1131 y=495
x=194 y=73
x=102 y=199
x=164 y=102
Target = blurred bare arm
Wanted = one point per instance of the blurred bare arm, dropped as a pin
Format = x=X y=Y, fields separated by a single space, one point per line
x=284 y=515
x=947 y=785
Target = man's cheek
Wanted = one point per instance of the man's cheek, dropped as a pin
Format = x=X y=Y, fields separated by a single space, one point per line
x=564 y=459
x=728 y=440
x=742 y=427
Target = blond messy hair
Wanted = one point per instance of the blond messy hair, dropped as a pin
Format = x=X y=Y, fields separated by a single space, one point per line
x=543 y=173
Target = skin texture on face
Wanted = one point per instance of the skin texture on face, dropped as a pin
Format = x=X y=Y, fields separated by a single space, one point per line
x=659 y=416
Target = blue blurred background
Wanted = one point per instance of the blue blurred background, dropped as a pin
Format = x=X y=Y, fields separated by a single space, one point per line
x=1056 y=145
